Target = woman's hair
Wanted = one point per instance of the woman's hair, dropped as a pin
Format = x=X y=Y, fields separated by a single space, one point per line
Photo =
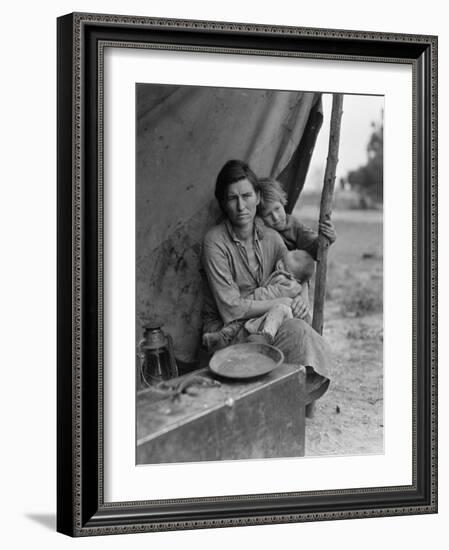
x=233 y=171
x=271 y=191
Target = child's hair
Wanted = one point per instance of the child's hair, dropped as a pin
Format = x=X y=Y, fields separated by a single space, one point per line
x=301 y=265
x=271 y=191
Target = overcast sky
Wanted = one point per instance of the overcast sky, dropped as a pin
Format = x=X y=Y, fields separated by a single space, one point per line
x=359 y=111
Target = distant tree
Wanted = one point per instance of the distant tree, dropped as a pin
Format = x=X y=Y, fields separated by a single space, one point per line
x=368 y=179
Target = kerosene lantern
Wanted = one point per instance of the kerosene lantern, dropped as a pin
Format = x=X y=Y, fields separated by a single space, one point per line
x=157 y=358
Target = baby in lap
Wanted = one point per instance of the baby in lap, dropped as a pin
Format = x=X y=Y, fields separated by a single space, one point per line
x=287 y=281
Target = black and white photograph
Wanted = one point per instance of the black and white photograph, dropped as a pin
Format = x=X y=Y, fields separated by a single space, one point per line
x=259 y=273
x=223 y=299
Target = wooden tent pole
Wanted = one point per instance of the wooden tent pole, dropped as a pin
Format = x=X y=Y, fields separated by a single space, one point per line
x=325 y=214
x=326 y=210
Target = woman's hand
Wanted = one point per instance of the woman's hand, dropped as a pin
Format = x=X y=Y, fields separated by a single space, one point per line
x=300 y=308
x=328 y=230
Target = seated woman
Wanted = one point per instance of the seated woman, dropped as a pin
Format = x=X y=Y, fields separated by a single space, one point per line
x=238 y=256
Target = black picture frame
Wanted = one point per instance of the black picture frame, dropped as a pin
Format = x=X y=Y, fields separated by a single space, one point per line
x=81 y=510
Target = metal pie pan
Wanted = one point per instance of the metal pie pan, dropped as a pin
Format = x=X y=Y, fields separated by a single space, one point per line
x=249 y=360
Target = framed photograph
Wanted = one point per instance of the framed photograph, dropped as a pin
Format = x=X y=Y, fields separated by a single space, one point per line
x=247 y=278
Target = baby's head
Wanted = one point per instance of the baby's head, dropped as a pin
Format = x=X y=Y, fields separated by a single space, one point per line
x=272 y=202
x=300 y=264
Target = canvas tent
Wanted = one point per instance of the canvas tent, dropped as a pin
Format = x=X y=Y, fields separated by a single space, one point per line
x=184 y=135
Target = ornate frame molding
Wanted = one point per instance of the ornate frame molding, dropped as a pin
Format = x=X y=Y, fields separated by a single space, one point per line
x=81 y=41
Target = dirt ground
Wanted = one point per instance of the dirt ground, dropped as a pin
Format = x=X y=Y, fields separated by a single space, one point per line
x=349 y=417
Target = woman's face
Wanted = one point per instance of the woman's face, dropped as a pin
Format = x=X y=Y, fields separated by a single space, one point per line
x=241 y=202
x=273 y=214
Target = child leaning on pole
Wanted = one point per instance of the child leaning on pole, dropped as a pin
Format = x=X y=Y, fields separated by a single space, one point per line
x=295 y=234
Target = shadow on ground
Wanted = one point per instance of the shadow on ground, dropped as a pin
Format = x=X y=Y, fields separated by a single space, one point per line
x=46 y=520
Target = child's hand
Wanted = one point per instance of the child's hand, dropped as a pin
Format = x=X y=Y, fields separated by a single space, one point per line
x=328 y=230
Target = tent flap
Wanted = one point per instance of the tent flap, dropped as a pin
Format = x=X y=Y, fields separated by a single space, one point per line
x=184 y=135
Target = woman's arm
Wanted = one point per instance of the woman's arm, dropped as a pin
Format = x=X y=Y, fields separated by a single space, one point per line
x=225 y=290
x=259 y=307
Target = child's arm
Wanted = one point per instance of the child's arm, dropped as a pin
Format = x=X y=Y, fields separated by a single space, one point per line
x=282 y=288
x=305 y=238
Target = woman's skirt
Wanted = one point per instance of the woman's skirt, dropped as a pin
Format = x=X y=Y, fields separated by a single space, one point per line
x=301 y=345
